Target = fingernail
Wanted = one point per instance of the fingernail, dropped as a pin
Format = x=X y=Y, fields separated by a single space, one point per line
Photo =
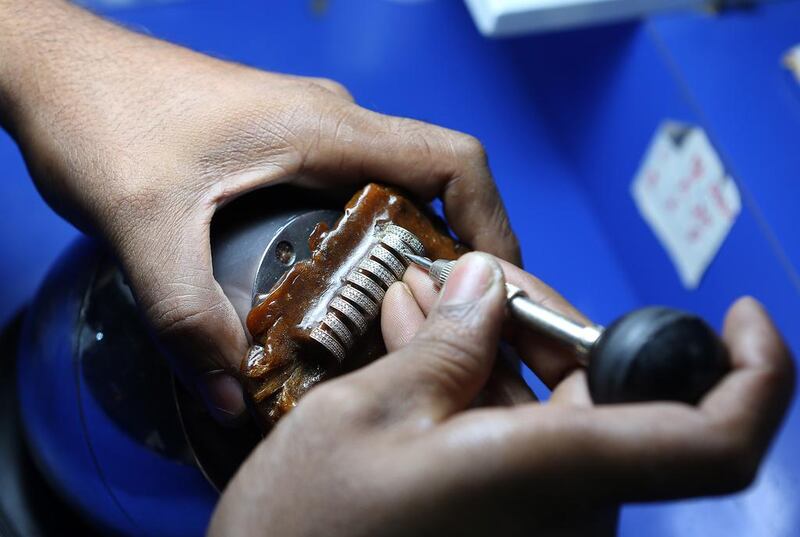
x=223 y=396
x=471 y=278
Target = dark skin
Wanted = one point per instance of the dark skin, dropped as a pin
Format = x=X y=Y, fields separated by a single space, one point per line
x=395 y=449
x=138 y=142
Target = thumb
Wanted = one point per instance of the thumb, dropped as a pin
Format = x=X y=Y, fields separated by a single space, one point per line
x=195 y=323
x=447 y=363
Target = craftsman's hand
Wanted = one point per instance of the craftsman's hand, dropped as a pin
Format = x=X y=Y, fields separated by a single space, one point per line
x=139 y=142
x=396 y=449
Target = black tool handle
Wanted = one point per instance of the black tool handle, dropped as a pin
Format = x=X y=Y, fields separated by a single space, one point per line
x=656 y=353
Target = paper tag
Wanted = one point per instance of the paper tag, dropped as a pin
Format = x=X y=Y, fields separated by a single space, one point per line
x=792 y=61
x=684 y=194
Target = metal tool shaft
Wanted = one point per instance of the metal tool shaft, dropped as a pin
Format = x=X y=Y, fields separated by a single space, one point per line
x=535 y=316
x=526 y=311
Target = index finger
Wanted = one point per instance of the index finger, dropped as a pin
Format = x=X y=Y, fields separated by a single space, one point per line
x=427 y=160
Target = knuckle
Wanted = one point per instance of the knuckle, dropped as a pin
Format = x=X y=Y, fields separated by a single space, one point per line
x=398 y=125
x=313 y=88
x=468 y=146
x=415 y=132
x=184 y=308
x=334 y=87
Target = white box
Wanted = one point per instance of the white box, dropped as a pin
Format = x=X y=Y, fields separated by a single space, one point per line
x=506 y=17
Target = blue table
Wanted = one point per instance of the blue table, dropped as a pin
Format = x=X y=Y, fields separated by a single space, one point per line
x=565 y=119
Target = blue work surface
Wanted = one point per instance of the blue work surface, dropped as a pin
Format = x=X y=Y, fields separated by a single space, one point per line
x=565 y=119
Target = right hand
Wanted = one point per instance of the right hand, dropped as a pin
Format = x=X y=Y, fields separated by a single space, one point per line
x=396 y=449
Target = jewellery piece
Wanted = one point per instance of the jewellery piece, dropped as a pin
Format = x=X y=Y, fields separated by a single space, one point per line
x=351 y=313
x=319 y=318
x=329 y=342
x=359 y=299
x=407 y=237
x=367 y=284
x=389 y=259
x=396 y=244
x=339 y=328
x=378 y=271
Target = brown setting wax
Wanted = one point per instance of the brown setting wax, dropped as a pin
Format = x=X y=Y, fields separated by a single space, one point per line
x=292 y=362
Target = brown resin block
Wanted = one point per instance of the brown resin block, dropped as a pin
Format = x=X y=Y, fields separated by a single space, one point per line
x=292 y=361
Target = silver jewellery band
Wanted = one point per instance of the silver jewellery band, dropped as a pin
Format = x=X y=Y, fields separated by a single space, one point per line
x=329 y=342
x=386 y=257
x=366 y=283
x=338 y=327
x=379 y=271
x=361 y=300
x=396 y=243
x=407 y=237
x=351 y=313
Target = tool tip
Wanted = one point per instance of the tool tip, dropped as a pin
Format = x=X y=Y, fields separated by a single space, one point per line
x=423 y=262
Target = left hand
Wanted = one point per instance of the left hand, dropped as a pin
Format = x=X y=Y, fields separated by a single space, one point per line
x=139 y=142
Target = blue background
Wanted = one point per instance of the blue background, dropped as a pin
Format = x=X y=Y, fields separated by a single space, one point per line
x=565 y=118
